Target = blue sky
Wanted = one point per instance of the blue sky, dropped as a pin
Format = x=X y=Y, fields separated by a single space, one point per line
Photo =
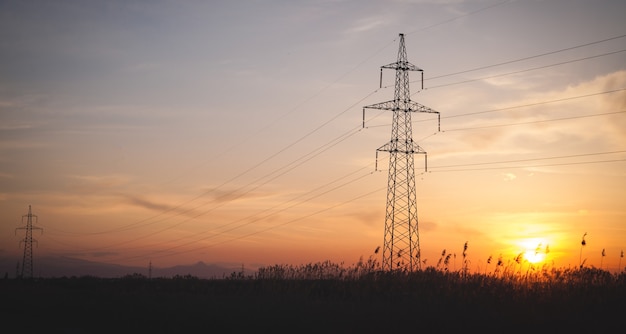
x=221 y=131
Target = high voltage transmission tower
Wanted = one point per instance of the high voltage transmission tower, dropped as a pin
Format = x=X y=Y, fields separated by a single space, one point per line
x=27 y=260
x=401 y=248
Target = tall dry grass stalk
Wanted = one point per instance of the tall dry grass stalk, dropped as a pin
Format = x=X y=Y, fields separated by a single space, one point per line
x=583 y=243
x=465 y=260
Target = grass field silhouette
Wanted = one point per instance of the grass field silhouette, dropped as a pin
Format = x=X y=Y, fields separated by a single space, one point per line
x=324 y=297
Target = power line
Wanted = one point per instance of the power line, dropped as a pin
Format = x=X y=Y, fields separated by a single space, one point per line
x=525 y=70
x=534 y=122
x=533 y=159
x=526 y=58
x=538 y=103
x=459 y=17
x=529 y=166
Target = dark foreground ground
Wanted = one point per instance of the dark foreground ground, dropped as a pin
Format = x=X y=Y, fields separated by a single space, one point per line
x=424 y=302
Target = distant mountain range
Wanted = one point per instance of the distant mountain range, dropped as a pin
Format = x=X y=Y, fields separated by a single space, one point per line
x=48 y=267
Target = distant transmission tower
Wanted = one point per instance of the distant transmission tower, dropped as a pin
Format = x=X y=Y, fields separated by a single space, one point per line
x=401 y=249
x=27 y=260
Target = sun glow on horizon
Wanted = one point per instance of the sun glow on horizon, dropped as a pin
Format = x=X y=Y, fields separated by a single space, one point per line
x=534 y=257
x=534 y=250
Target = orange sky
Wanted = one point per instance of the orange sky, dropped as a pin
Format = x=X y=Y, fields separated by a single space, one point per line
x=231 y=133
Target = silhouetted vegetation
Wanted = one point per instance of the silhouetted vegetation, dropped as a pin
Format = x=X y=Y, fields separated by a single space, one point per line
x=322 y=297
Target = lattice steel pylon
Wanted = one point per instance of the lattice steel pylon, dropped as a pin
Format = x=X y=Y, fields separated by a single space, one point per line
x=27 y=260
x=401 y=248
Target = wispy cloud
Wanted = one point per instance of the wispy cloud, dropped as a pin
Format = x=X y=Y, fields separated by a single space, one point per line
x=159 y=206
x=364 y=25
x=509 y=176
x=151 y=205
x=225 y=195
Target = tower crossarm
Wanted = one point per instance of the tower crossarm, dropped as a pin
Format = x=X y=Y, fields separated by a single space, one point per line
x=402 y=65
x=408 y=106
x=409 y=148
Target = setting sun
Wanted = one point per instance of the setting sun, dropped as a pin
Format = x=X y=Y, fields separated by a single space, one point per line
x=533 y=257
x=534 y=250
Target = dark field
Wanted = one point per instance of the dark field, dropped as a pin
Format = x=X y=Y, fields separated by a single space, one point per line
x=320 y=299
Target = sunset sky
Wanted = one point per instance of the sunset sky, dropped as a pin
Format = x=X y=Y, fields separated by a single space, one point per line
x=174 y=132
